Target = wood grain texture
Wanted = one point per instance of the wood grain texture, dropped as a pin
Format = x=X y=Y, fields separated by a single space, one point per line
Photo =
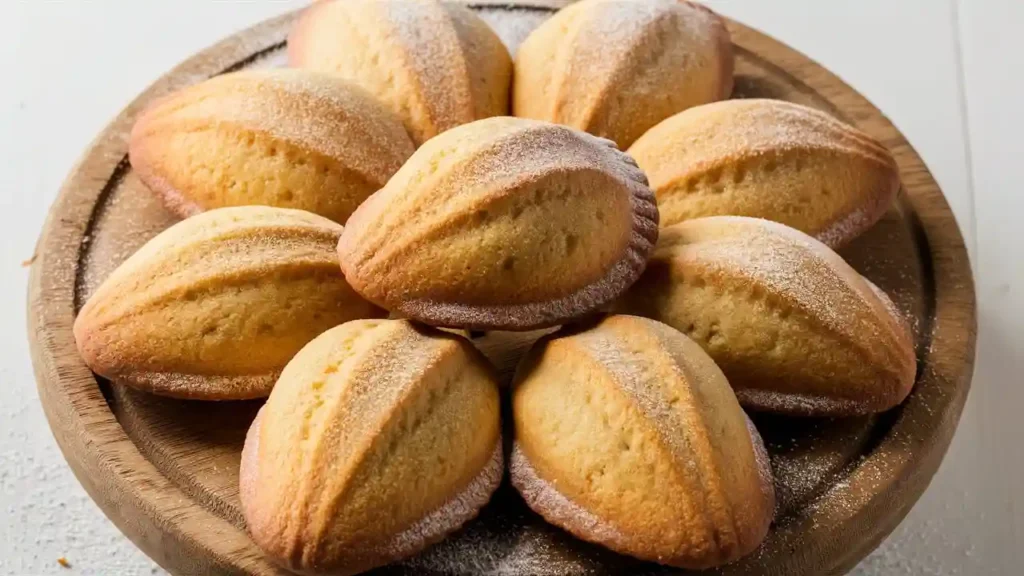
x=165 y=471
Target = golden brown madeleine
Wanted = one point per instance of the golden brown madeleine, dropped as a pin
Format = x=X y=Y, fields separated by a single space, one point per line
x=794 y=328
x=215 y=306
x=769 y=159
x=615 y=68
x=380 y=438
x=436 y=64
x=287 y=138
x=628 y=435
x=503 y=223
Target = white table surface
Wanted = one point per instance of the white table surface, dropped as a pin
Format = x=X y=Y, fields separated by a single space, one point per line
x=947 y=72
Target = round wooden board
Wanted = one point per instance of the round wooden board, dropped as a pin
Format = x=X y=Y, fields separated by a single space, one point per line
x=165 y=471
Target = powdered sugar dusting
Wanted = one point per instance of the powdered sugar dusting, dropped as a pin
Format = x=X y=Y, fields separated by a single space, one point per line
x=615 y=27
x=804 y=275
x=743 y=157
x=764 y=467
x=611 y=29
x=513 y=25
x=508 y=539
x=546 y=500
x=314 y=112
x=791 y=265
x=758 y=126
x=334 y=116
x=798 y=404
x=652 y=399
x=514 y=542
x=507 y=153
x=451 y=515
x=891 y=307
x=432 y=51
x=856 y=221
x=618 y=68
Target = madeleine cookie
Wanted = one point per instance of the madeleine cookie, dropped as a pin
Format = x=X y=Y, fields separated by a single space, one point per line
x=436 y=64
x=794 y=328
x=769 y=159
x=505 y=224
x=628 y=435
x=215 y=306
x=615 y=68
x=380 y=438
x=286 y=138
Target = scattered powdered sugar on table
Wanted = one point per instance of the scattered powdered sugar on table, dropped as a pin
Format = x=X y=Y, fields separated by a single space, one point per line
x=508 y=539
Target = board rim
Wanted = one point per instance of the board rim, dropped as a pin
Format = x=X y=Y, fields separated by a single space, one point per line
x=116 y=474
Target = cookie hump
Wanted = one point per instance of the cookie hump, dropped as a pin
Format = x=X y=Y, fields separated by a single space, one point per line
x=214 y=307
x=504 y=223
x=769 y=159
x=284 y=138
x=436 y=64
x=628 y=435
x=380 y=438
x=794 y=327
x=615 y=68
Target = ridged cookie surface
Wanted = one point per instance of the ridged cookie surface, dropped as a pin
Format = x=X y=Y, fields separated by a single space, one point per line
x=286 y=138
x=769 y=159
x=615 y=68
x=380 y=438
x=503 y=223
x=215 y=306
x=628 y=435
x=436 y=64
x=794 y=328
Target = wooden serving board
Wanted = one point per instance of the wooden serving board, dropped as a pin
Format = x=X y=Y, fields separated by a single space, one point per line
x=165 y=471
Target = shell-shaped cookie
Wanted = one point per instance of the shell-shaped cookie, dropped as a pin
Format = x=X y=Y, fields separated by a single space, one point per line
x=615 y=68
x=380 y=438
x=769 y=159
x=628 y=435
x=436 y=64
x=215 y=306
x=795 y=329
x=503 y=223
x=285 y=138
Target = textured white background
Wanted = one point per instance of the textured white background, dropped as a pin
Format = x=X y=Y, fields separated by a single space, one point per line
x=947 y=72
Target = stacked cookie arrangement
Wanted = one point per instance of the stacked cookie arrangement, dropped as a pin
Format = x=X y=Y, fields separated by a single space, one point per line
x=350 y=219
